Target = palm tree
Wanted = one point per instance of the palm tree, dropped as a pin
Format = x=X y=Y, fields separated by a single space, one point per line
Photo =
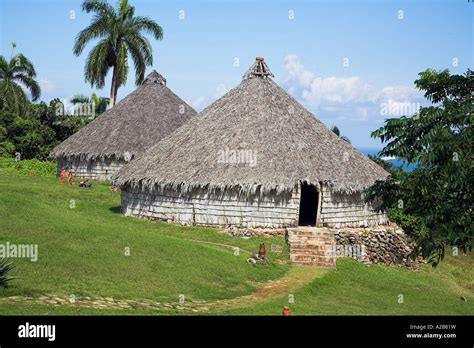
x=15 y=76
x=336 y=131
x=100 y=103
x=120 y=34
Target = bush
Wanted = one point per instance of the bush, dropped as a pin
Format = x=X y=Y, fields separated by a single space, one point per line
x=25 y=167
x=410 y=224
x=5 y=268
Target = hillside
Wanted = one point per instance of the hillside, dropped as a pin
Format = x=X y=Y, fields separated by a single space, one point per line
x=93 y=260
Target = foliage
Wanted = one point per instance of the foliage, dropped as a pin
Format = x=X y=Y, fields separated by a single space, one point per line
x=120 y=34
x=100 y=103
x=35 y=133
x=439 y=139
x=16 y=74
x=6 y=146
x=336 y=131
x=26 y=167
x=412 y=225
x=5 y=268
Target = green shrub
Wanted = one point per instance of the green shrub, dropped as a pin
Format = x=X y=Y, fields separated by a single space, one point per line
x=412 y=225
x=25 y=167
x=5 y=268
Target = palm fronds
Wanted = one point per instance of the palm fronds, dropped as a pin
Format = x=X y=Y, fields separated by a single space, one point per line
x=5 y=267
x=16 y=74
x=121 y=35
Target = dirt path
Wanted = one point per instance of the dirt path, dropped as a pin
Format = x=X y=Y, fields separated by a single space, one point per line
x=296 y=277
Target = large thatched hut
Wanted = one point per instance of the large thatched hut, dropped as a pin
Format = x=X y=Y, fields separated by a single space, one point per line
x=137 y=122
x=254 y=158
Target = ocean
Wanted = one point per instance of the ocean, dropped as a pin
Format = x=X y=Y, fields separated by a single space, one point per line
x=396 y=161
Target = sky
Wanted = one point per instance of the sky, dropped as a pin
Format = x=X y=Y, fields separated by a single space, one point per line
x=351 y=63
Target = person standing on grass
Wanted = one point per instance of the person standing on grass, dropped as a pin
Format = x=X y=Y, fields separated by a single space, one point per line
x=62 y=174
x=69 y=177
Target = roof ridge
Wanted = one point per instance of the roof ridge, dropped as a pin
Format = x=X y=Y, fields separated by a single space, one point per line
x=154 y=77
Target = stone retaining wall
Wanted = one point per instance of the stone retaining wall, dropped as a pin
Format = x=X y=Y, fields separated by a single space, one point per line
x=383 y=244
x=321 y=246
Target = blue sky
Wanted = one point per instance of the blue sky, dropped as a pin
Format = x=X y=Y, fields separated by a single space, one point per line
x=348 y=62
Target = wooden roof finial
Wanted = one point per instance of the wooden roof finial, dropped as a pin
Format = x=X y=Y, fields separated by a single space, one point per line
x=258 y=69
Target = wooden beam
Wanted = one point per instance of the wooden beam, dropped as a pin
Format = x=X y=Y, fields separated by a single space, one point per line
x=318 y=208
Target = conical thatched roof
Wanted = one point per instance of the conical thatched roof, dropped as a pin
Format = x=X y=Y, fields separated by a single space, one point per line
x=137 y=122
x=289 y=145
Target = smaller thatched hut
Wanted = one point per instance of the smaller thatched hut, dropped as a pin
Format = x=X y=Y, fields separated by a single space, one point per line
x=254 y=158
x=124 y=132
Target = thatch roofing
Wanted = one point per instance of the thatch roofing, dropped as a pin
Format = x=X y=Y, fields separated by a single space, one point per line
x=137 y=122
x=259 y=118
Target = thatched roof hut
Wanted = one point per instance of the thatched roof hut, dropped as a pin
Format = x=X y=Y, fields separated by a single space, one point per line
x=255 y=157
x=136 y=123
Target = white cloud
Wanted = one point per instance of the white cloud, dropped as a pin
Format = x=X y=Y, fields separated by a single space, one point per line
x=320 y=90
x=221 y=89
x=347 y=98
x=201 y=102
x=47 y=86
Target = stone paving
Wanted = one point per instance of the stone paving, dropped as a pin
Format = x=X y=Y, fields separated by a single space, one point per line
x=108 y=303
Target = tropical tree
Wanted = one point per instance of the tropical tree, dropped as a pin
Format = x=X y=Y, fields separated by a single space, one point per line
x=434 y=201
x=121 y=34
x=100 y=103
x=336 y=131
x=16 y=75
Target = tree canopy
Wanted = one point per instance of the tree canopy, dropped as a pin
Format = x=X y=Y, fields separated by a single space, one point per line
x=436 y=196
x=335 y=130
x=120 y=34
x=16 y=74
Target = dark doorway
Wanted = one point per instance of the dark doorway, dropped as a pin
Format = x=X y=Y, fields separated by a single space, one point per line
x=308 y=205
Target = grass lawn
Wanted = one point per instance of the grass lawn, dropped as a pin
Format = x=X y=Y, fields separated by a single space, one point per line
x=82 y=252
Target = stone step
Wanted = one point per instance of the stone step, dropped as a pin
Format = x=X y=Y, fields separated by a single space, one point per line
x=309 y=258
x=311 y=246
x=319 y=264
x=320 y=251
x=304 y=246
x=310 y=239
x=302 y=234
x=307 y=253
x=311 y=234
x=315 y=262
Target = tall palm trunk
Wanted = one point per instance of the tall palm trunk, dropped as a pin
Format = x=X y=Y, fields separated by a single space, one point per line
x=113 y=88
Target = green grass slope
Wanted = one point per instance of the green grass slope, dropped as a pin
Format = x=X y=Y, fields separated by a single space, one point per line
x=82 y=252
x=354 y=288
